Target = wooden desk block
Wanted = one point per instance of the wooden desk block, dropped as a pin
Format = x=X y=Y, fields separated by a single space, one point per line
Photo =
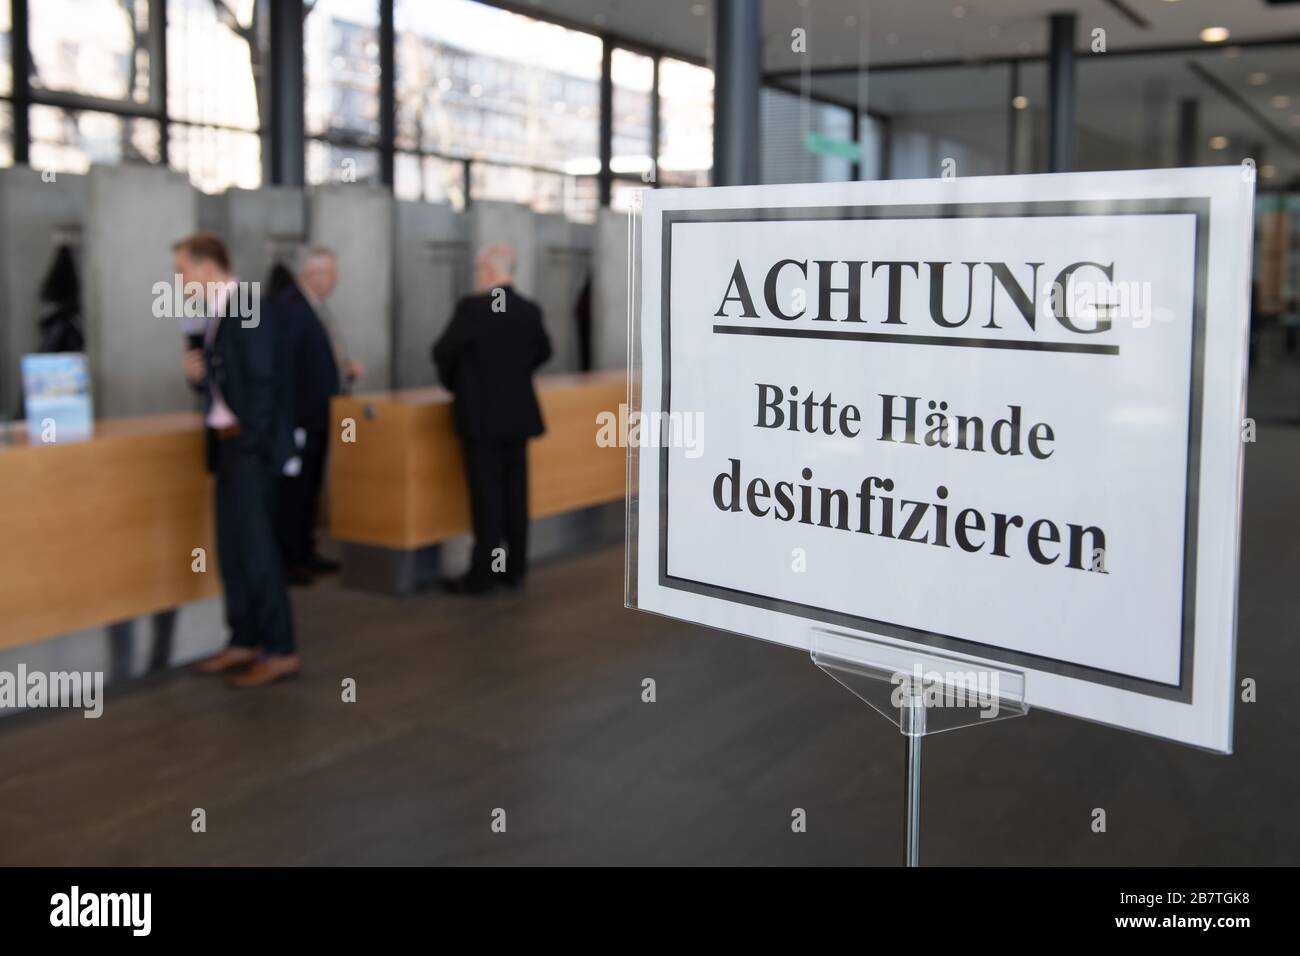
x=102 y=531
x=401 y=483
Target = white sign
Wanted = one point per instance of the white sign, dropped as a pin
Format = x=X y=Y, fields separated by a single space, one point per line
x=997 y=417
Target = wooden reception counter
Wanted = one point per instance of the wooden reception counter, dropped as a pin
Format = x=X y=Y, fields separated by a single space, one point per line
x=99 y=531
x=399 y=485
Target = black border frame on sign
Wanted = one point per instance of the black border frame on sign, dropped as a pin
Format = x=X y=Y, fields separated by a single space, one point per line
x=1198 y=207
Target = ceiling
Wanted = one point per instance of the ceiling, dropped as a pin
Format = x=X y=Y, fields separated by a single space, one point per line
x=909 y=48
x=907 y=31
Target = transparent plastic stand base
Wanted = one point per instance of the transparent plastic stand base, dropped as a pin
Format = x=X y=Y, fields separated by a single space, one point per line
x=920 y=692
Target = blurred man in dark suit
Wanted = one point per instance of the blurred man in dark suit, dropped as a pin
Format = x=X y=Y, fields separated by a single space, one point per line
x=486 y=357
x=306 y=344
x=249 y=439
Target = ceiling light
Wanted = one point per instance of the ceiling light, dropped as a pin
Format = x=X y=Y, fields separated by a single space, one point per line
x=1257 y=79
x=1020 y=102
x=1214 y=34
x=1218 y=142
x=1268 y=170
x=1280 y=102
x=698 y=9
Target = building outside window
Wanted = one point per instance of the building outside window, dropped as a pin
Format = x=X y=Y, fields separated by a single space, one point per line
x=6 y=134
x=489 y=103
x=91 y=48
x=685 y=123
x=215 y=54
x=633 y=79
x=6 y=71
x=520 y=97
x=341 y=58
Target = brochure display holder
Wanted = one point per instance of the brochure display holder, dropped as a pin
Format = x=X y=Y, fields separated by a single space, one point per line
x=920 y=692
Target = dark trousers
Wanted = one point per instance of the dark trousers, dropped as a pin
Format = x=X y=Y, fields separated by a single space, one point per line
x=297 y=500
x=257 y=604
x=497 y=472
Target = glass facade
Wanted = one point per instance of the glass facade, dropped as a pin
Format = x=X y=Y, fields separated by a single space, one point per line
x=6 y=71
x=500 y=103
x=633 y=144
x=341 y=63
x=215 y=158
x=519 y=96
x=68 y=141
x=212 y=64
x=685 y=123
x=429 y=178
x=6 y=134
x=334 y=163
x=489 y=103
x=92 y=47
x=342 y=76
x=213 y=101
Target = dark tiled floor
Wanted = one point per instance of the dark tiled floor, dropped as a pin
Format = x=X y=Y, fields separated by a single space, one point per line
x=532 y=704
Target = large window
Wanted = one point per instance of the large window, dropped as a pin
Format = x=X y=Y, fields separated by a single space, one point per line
x=6 y=134
x=685 y=123
x=92 y=47
x=216 y=159
x=66 y=140
x=519 y=96
x=488 y=103
x=98 y=52
x=6 y=71
x=633 y=79
x=215 y=52
x=341 y=53
x=6 y=111
x=430 y=178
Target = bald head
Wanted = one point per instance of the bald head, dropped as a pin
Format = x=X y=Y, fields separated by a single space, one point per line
x=494 y=267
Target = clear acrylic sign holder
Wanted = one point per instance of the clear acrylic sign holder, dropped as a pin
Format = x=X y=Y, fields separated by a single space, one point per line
x=918 y=690
x=920 y=693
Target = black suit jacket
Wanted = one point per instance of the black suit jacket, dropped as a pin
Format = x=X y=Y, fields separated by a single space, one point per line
x=487 y=359
x=256 y=381
x=305 y=345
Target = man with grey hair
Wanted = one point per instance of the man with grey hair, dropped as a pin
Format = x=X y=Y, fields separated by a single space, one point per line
x=486 y=357
x=311 y=366
x=318 y=276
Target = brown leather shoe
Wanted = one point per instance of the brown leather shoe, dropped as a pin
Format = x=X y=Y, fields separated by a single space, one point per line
x=229 y=658
x=267 y=670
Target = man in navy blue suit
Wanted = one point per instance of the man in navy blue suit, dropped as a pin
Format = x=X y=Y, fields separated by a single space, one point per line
x=306 y=344
x=246 y=412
